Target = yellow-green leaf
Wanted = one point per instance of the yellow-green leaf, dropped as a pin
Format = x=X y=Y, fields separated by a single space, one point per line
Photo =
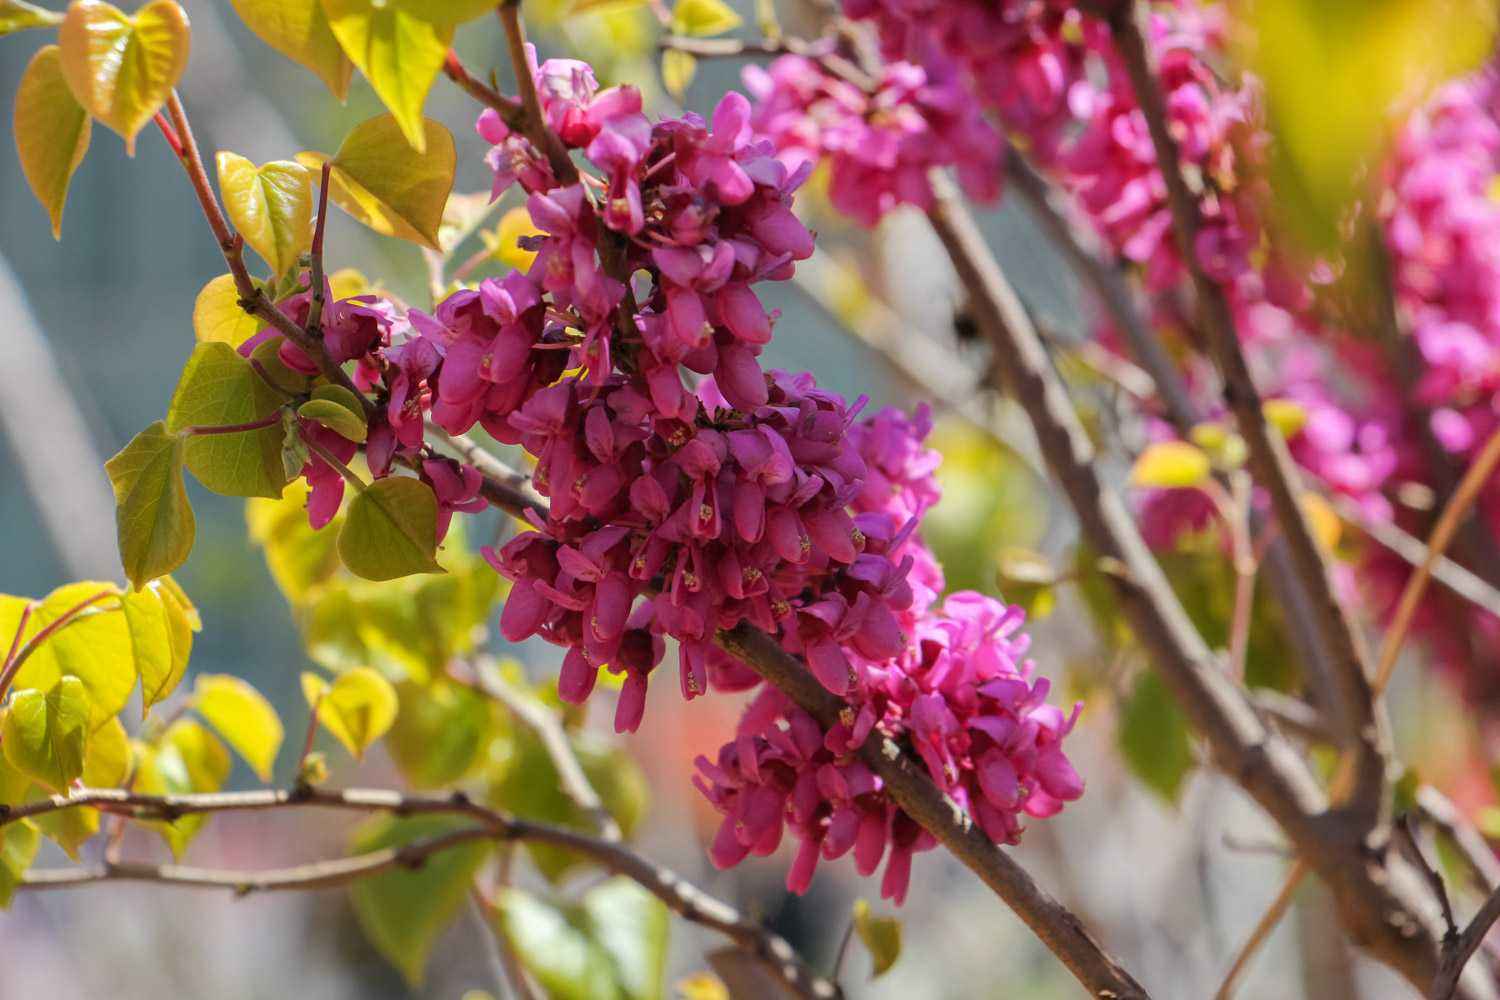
x=677 y=71
x=151 y=644
x=338 y=409
x=270 y=205
x=219 y=388
x=188 y=759
x=122 y=68
x=243 y=716
x=399 y=50
x=505 y=243
x=46 y=731
x=106 y=758
x=300 y=559
x=881 y=936
x=379 y=180
x=218 y=316
x=567 y=963
x=703 y=17
x=70 y=829
x=94 y=647
x=358 y=708
x=299 y=30
x=1169 y=464
x=390 y=530
x=439 y=732
x=52 y=132
x=17 y=15
x=18 y=846
x=153 y=520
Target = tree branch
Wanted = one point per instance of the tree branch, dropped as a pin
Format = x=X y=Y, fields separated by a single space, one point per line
x=1458 y=950
x=1366 y=730
x=681 y=896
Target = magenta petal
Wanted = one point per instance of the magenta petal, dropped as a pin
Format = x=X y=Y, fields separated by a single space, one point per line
x=830 y=666
x=632 y=703
x=576 y=679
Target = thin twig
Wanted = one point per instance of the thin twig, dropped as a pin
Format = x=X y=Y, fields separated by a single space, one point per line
x=315 y=278
x=486 y=677
x=1432 y=806
x=1366 y=731
x=508 y=108
x=1457 y=950
x=682 y=897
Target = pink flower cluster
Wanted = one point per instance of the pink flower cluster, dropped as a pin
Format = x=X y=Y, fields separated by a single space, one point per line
x=959 y=693
x=882 y=146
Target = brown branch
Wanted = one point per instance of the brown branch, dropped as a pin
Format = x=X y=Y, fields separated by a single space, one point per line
x=486 y=678
x=315 y=276
x=909 y=786
x=505 y=487
x=509 y=109
x=533 y=122
x=822 y=51
x=1386 y=904
x=1458 y=950
x=1366 y=732
x=1434 y=807
x=252 y=298
x=681 y=896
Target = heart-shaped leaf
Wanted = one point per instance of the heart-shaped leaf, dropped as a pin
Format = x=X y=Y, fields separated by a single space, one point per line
x=243 y=716
x=217 y=314
x=122 y=68
x=153 y=520
x=338 y=409
x=46 y=731
x=219 y=388
x=379 y=180
x=399 y=48
x=391 y=530
x=52 y=132
x=358 y=708
x=299 y=30
x=271 y=205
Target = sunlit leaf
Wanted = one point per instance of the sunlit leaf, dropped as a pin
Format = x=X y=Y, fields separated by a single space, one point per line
x=378 y=179
x=504 y=242
x=1171 y=464
x=122 y=67
x=188 y=759
x=70 y=829
x=18 y=847
x=153 y=520
x=94 y=647
x=46 y=731
x=243 y=717
x=219 y=388
x=404 y=911
x=217 y=314
x=881 y=937
x=52 y=131
x=106 y=758
x=299 y=558
x=399 y=50
x=390 y=530
x=337 y=409
x=703 y=17
x=631 y=925
x=567 y=964
x=299 y=30
x=677 y=71
x=358 y=708
x=151 y=644
x=271 y=206
x=17 y=15
x=439 y=732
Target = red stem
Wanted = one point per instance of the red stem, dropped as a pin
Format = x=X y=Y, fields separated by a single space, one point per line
x=252 y=425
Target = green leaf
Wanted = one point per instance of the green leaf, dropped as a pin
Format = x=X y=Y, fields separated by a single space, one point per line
x=153 y=520
x=390 y=530
x=677 y=71
x=1169 y=464
x=122 y=68
x=299 y=30
x=219 y=388
x=243 y=716
x=188 y=759
x=106 y=758
x=358 y=708
x=52 y=132
x=703 y=17
x=218 y=316
x=1154 y=737
x=454 y=11
x=398 y=49
x=271 y=206
x=182 y=622
x=46 y=732
x=403 y=912
x=267 y=357
x=151 y=644
x=439 y=732
x=631 y=925
x=881 y=937
x=567 y=964
x=379 y=180
x=17 y=15
x=18 y=847
x=345 y=418
x=94 y=647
